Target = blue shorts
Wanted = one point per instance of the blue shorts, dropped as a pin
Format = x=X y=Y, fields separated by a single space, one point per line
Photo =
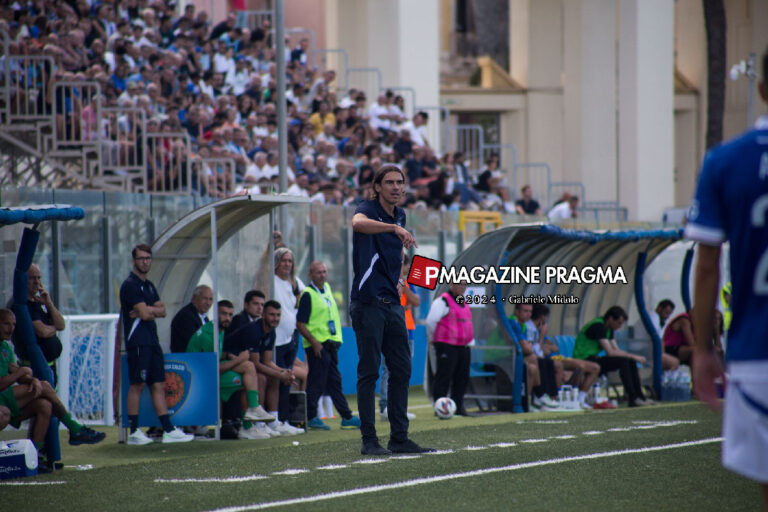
x=146 y=364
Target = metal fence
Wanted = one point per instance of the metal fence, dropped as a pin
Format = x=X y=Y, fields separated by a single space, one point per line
x=168 y=169
x=123 y=131
x=213 y=177
x=26 y=84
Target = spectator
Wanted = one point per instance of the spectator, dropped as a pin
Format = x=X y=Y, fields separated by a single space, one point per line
x=140 y=306
x=319 y=323
x=418 y=128
x=253 y=306
x=565 y=210
x=678 y=339
x=191 y=317
x=32 y=397
x=46 y=320
x=598 y=335
x=236 y=371
x=449 y=329
x=527 y=205
x=258 y=338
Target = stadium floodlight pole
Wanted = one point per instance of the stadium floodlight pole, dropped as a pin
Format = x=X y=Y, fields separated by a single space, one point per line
x=282 y=138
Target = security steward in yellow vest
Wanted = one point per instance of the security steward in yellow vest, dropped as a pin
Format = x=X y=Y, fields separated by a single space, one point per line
x=319 y=323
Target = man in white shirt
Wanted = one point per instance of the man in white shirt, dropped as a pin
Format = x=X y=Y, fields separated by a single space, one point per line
x=418 y=128
x=565 y=210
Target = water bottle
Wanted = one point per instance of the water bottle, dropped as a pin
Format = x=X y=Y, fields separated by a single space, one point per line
x=596 y=393
x=603 y=386
x=685 y=386
x=561 y=396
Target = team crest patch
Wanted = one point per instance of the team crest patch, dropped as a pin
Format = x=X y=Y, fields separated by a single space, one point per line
x=178 y=382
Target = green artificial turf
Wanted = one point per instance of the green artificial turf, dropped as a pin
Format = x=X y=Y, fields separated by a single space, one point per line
x=684 y=478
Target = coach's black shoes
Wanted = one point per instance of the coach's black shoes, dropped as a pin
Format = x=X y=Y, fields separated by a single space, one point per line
x=86 y=436
x=374 y=448
x=408 y=446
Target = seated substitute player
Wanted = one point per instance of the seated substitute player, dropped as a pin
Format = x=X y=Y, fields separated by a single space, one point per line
x=596 y=336
x=258 y=338
x=253 y=305
x=731 y=204
x=236 y=370
x=24 y=396
x=536 y=330
x=549 y=371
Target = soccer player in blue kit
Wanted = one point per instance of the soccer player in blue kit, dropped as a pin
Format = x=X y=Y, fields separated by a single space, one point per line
x=731 y=204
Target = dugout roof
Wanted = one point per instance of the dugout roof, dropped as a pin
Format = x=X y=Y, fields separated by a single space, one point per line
x=182 y=252
x=544 y=245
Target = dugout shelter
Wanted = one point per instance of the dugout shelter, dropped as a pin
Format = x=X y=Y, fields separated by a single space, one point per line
x=496 y=354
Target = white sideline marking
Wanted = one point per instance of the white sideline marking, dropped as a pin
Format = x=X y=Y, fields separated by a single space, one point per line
x=440 y=452
x=454 y=476
x=542 y=422
x=290 y=472
x=405 y=457
x=564 y=436
x=369 y=461
x=332 y=466
x=503 y=445
x=592 y=432
x=475 y=448
x=533 y=440
x=229 y=480
x=34 y=483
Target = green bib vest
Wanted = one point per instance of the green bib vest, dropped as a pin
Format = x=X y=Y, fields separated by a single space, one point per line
x=586 y=347
x=324 y=309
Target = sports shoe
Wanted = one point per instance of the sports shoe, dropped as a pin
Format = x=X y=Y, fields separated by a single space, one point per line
x=43 y=466
x=177 y=436
x=374 y=448
x=546 y=400
x=408 y=446
x=606 y=404
x=285 y=429
x=540 y=404
x=295 y=430
x=318 y=424
x=86 y=436
x=277 y=428
x=385 y=414
x=139 y=438
x=264 y=429
x=584 y=405
x=258 y=414
x=351 y=423
x=252 y=433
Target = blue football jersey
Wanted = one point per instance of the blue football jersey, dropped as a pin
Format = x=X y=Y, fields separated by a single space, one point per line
x=731 y=204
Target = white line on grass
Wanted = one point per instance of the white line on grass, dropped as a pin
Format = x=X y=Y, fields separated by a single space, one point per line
x=543 y=422
x=228 y=480
x=370 y=461
x=33 y=483
x=291 y=472
x=476 y=448
x=503 y=445
x=592 y=432
x=564 y=436
x=533 y=440
x=405 y=457
x=440 y=452
x=332 y=466
x=454 y=476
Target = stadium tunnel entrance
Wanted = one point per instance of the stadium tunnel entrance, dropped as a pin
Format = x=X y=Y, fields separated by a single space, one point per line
x=572 y=302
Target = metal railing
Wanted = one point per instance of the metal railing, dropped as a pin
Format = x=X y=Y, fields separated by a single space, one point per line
x=604 y=211
x=468 y=138
x=371 y=82
x=26 y=84
x=123 y=145
x=213 y=177
x=340 y=73
x=169 y=169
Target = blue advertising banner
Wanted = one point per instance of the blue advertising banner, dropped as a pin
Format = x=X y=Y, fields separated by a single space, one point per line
x=190 y=391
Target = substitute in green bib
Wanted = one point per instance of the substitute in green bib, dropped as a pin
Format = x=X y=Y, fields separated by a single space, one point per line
x=236 y=371
x=319 y=323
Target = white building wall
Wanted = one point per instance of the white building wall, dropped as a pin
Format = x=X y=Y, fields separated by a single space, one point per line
x=646 y=155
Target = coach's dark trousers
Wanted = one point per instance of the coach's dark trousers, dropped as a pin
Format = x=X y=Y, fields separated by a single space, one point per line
x=284 y=356
x=452 y=372
x=380 y=329
x=324 y=378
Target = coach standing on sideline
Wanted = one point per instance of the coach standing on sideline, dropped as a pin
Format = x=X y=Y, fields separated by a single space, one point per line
x=377 y=316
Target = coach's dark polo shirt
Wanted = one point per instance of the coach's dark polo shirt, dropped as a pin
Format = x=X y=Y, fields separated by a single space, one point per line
x=133 y=291
x=376 y=259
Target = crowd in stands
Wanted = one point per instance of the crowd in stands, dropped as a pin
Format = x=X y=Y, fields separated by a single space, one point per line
x=217 y=83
